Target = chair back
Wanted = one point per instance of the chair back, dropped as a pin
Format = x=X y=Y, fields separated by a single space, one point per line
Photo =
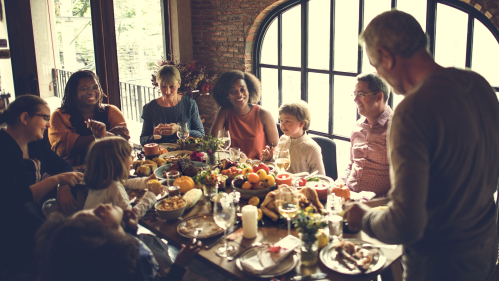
x=328 y=148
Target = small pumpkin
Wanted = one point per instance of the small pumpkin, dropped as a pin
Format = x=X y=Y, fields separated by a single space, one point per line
x=342 y=191
x=185 y=183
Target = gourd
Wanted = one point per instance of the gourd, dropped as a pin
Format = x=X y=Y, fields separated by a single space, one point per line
x=342 y=191
x=192 y=197
x=185 y=183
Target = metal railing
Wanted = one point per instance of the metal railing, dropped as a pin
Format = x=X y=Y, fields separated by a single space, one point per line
x=133 y=97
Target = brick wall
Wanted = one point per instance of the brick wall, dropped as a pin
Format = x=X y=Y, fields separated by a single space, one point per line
x=223 y=32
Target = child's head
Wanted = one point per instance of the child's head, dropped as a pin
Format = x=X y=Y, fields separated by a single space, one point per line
x=108 y=160
x=84 y=248
x=294 y=118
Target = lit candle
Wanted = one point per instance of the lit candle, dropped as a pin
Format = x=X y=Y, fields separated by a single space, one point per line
x=249 y=216
x=151 y=149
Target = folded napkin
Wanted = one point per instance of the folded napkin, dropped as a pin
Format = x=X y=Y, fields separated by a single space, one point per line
x=362 y=196
x=264 y=261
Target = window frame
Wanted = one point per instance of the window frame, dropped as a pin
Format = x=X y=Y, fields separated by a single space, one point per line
x=276 y=14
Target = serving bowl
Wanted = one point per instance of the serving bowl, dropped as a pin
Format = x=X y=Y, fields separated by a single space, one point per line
x=321 y=186
x=170 y=215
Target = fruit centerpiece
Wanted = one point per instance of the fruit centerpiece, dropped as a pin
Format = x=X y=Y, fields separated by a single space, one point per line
x=253 y=181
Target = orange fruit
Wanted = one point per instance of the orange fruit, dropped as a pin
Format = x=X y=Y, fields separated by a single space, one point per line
x=247 y=185
x=253 y=178
x=269 y=180
x=254 y=201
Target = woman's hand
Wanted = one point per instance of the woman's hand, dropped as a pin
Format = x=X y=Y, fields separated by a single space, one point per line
x=65 y=199
x=121 y=131
x=158 y=129
x=70 y=178
x=98 y=128
x=169 y=129
x=267 y=153
x=188 y=251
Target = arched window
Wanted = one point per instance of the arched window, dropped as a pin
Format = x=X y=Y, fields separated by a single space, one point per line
x=308 y=49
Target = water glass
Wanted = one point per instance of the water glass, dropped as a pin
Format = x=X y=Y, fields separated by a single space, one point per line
x=224 y=215
x=235 y=154
x=171 y=177
x=224 y=136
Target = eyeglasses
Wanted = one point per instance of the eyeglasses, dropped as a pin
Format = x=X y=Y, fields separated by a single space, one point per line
x=45 y=117
x=362 y=95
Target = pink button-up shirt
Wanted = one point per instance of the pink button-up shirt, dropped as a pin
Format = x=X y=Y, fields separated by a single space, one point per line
x=368 y=168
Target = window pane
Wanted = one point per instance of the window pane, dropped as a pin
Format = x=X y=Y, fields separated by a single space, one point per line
x=342 y=155
x=346 y=43
x=485 y=44
x=344 y=110
x=291 y=37
x=396 y=99
x=291 y=82
x=417 y=8
x=319 y=33
x=139 y=39
x=270 y=91
x=318 y=99
x=269 y=47
x=372 y=8
x=450 y=37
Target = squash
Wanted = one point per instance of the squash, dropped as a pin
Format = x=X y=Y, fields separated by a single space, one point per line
x=185 y=183
x=342 y=191
x=143 y=171
x=159 y=161
x=192 y=197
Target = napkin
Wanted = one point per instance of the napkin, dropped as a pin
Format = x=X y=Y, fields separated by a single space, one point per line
x=264 y=261
x=362 y=196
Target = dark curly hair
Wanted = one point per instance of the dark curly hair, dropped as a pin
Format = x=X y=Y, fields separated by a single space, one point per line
x=70 y=100
x=82 y=249
x=225 y=81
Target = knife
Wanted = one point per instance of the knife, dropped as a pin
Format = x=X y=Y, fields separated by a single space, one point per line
x=221 y=237
x=309 y=277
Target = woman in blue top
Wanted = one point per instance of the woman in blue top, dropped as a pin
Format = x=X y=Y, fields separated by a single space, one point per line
x=162 y=114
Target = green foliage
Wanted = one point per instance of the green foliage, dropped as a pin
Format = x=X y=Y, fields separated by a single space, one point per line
x=308 y=223
x=209 y=144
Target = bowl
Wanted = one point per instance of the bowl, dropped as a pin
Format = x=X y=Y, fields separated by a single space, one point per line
x=321 y=186
x=248 y=193
x=170 y=215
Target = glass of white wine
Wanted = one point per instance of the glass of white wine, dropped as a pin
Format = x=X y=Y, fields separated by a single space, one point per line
x=183 y=132
x=224 y=214
x=288 y=204
x=282 y=159
x=224 y=136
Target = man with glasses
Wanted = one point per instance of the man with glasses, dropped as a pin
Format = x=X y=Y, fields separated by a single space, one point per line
x=443 y=151
x=368 y=167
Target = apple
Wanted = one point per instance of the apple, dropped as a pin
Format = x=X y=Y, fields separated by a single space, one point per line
x=256 y=168
x=262 y=166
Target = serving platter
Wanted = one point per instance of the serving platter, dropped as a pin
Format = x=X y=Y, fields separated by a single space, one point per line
x=330 y=258
x=167 y=156
x=159 y=171
x=136 y=194
x=283 y=267
x=188 y=226
x=169 y=146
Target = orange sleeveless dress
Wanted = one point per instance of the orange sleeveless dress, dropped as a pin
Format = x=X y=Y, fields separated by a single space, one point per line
x=247 y=133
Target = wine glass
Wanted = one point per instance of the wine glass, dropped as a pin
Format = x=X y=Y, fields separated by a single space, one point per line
x=224 y=214
x=282 y=159
x=224 y=136
x=183 y=132
x=288 y=204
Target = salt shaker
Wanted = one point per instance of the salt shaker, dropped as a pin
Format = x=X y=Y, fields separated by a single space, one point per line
x=250 y=223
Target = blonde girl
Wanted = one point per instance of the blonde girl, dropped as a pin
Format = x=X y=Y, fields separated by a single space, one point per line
x=108 y=165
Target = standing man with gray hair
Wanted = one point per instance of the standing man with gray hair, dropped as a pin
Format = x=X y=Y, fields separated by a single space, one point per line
x=368 y=167
x=443 y=151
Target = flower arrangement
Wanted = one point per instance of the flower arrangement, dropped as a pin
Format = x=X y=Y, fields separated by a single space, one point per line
x=210 y=177
x=195 y=81
x=308 y=223
x=209 y=144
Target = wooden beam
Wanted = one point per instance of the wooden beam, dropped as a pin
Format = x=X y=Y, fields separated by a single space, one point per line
x=106 y=54
x=22 y=47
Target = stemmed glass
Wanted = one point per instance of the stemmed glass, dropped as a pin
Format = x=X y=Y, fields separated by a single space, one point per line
x=288 y=204
x=183 y=132
x=224 y=214
x=224 y=136
x=282 y=159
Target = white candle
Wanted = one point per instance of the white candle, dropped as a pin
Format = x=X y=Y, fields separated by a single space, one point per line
x=249 y=216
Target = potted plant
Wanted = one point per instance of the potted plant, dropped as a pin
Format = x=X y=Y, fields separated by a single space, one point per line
x=210 y=179
x=308 y=223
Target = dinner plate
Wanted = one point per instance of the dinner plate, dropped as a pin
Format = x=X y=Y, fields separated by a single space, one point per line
x=159 y=171
x=169 y=146
x=210 y=228
x=283 y=267
x=174 y=154
x=330 y=258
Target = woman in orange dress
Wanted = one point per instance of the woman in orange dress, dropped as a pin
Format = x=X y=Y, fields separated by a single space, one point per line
x=251 y=127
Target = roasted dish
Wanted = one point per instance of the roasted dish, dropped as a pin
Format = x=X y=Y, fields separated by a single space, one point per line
x=307 y=197
x=353 y=256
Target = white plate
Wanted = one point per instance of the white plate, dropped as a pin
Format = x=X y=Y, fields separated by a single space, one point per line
x=284 y=267
x=174 y=153
x=168 y=145
x=329 y=257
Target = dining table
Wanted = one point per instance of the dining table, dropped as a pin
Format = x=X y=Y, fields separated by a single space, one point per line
x=268 y=232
